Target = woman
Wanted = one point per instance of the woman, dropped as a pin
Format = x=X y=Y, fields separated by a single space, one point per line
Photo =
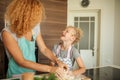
x=22 y=29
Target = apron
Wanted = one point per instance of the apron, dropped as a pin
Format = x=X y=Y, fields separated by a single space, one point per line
x=28 y=50
x=66 y=59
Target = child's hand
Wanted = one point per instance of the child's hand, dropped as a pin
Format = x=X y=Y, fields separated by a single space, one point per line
x=68 y=75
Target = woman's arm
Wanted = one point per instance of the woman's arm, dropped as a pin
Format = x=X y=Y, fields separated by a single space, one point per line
x=48 y=53
x=44 y=49
x=14 y=50
x=81 y=66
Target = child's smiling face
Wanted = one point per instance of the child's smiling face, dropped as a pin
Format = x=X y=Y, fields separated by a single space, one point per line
x=68 y=34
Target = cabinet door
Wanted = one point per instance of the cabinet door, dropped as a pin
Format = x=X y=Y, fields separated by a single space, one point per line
x=2 y=62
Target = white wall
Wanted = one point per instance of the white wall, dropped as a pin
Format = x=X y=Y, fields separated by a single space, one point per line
x=117 y=34
x=107 y=26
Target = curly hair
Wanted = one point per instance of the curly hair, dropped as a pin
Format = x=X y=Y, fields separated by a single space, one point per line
x=23 y=15
x=78 y=33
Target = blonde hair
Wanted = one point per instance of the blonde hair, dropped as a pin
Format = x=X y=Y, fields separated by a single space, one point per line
x=23 y=15
x=78 y=33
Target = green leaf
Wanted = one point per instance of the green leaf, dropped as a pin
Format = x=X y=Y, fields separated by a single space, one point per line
x=37 y=78
x=52 y=77
x=44 y=78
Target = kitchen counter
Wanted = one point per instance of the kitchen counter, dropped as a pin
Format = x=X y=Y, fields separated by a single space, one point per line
x=29 y=76
x=104 y=73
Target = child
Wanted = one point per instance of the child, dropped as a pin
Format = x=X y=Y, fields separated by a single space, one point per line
x=66 y=52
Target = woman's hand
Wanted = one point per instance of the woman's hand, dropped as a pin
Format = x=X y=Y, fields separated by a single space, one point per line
x=61 y=64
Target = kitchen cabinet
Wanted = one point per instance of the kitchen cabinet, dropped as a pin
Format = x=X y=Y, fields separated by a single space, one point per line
x=2 y=63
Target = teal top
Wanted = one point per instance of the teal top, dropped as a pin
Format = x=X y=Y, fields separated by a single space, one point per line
x=28 y=51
